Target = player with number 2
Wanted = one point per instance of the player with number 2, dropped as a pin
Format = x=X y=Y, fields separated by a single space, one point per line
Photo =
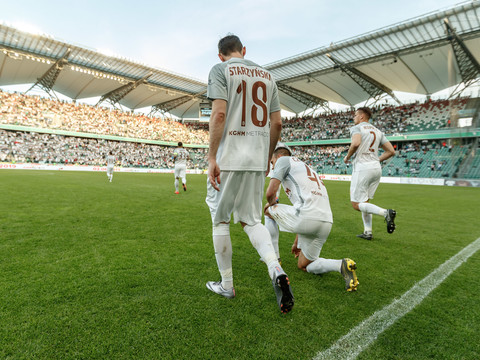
x=365 y=141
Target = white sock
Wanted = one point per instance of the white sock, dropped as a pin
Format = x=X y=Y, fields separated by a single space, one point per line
x=260 y=239
x=372 y=209
x=176 y=184
x=272 y=228
x=322 y=266
x=367 y=222
x=223 y=253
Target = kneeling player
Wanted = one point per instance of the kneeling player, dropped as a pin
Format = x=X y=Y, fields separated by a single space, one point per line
x=310 y=216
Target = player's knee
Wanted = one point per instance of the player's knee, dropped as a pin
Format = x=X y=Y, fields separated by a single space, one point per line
x=302 y=266
x=303 y=262
x=221 y=229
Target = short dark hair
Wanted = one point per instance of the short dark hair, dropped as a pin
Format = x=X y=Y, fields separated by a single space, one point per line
x=229 y=44
x=366 y=111
x=180 y=143
x=281 y=151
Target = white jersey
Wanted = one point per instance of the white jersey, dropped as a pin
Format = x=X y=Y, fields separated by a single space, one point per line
x=366 y=156
x=304 y=188
x=251 y=95
x=181 y=155
x=110 y=160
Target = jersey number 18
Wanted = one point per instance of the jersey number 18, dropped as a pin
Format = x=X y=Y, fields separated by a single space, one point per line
x=260 y=101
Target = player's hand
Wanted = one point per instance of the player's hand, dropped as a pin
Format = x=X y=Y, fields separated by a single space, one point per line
x=267 y=205
x=345 y=160
x=214 y=174
x=295 y=250
x=268 y=169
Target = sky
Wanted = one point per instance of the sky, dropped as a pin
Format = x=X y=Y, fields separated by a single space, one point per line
x=181 y=36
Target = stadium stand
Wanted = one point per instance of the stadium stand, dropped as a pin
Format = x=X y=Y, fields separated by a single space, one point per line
x=45 y=113
x=426 y=158
x=368 y=67
x=31 y=147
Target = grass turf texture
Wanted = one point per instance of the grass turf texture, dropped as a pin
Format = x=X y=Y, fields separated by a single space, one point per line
x=91 y=269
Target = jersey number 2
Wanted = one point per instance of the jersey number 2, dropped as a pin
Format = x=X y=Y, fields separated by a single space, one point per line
x=259 y=102
x=373 y=141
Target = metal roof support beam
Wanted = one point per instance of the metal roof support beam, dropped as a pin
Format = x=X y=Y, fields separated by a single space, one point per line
x=47 y=80
x=467 y=64
x=310 y=101
x=169 y=105
x=371 y=86
x=114 y=96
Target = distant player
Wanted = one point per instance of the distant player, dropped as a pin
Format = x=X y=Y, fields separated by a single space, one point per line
x=110 y=165
x=180 y=156
x=310 y=216
x=365 y=141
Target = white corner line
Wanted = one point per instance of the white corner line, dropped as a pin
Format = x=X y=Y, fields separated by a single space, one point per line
x=360 y=337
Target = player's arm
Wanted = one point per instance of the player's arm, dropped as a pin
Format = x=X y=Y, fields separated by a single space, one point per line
x=388 y=153
x=356 y=141
x=272 y=189
x=275 y=130
x=216 y=126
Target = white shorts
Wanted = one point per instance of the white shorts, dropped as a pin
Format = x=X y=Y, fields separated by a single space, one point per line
x=180 y=171
x=109 y=169
x=241 y=192
x=312 y=233
x=364 y=184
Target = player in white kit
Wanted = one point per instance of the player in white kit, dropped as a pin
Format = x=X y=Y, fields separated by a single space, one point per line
x=310 y=216
x=110 y=165
x=180 y=156
x=244 y=128
x=365 y=141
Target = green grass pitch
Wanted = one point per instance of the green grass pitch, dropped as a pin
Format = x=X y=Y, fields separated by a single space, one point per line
x=97 y=270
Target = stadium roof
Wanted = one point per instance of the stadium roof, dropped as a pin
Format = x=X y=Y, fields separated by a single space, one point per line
x=85 y=73
x=416 y=56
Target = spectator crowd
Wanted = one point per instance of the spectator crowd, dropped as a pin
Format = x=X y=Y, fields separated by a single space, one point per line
x=37 y=147
x=30 y=147
x=35 y=111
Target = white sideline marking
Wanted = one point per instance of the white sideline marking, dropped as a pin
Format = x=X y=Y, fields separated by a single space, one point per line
x=360 y=337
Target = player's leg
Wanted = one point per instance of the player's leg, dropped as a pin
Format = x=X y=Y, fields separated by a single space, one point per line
x=260 y=239
x=177 y=175
x=176 y=185
x=220 y=203
x=280 y=217
x=184 y=182
x=223 y=254
x=248 y=211
x=183 y=176
x=370 y=185
x=362 y=184
x=311 y=245
x=311 y=237
x=272 y=228
x=109 y=173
